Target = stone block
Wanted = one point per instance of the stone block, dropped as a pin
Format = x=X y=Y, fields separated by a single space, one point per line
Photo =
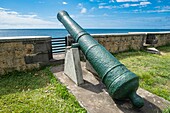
x=19 y=62
x=17 y=45
x=19 y=54
x=14 y=51
x=72 y=66
x=34 y=58
x=32 y=66
x=41 y=47
x=29 y=48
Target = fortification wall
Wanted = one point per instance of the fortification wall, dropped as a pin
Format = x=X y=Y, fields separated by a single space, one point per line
x=120 y=42
x=163 y=39
x=22 y=53
x=123 y=42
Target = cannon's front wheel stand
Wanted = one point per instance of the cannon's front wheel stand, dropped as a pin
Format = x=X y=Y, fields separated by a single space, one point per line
x=72 y=66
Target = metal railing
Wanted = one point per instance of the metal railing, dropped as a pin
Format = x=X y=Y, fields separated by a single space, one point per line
x=59 y=44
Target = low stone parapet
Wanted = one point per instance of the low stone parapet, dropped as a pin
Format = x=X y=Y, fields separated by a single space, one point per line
x=24 y=53
x=130 y=41
x=120 y=42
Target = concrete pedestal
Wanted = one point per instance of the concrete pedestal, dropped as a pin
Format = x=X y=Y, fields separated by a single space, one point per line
x=72 y=67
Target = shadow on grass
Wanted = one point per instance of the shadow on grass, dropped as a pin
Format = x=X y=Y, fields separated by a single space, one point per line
x=58 y=69
x=23 y=81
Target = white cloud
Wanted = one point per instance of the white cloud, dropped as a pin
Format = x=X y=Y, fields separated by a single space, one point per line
x=158 y=11
x=3 y=9
x=102 y=3
x=105 y=14
x=134 y=5
x=129 y=5
x=161 y=9
x=12 y=19
x=130 y=0
x=166 y=7
x=83 y=10
x=144 y=3
x=158 y=7
x=125 y=5
x=64 y=3
x=107 y=7
x=92 y=9
x=96 y=0
x=111 y=1
x=80 y=5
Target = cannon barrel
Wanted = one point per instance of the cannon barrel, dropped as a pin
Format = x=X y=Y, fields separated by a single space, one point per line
x=120 y=82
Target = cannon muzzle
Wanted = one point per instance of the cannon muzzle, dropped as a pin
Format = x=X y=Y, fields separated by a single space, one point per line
x=120 y=82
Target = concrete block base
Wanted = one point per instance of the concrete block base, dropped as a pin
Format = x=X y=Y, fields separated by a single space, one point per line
x=72 y=66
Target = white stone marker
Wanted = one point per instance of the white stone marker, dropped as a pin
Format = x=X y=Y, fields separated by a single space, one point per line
x=72 y=67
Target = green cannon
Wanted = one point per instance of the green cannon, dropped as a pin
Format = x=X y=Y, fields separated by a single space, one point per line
x=120 y=82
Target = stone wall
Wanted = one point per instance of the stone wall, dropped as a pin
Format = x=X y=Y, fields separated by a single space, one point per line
x=163 y=39
x=123 y=42
x=23 y=53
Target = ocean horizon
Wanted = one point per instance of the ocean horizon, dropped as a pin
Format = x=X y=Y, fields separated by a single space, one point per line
x=63 y=32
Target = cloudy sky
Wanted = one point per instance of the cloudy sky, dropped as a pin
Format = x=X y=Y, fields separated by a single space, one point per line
x=130 y=14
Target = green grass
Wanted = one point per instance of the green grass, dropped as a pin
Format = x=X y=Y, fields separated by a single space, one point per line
x=153 y=69
x=35 y=91
x=166 y=110
x=38 y=91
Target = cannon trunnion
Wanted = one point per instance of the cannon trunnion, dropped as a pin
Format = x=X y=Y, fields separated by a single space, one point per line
x=120 y=82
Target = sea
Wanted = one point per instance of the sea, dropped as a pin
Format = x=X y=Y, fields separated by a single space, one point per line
x=54 y=33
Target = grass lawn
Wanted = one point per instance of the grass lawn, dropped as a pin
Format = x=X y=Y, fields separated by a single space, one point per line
x=38 y=91
x=35 y=92
x=153 y=69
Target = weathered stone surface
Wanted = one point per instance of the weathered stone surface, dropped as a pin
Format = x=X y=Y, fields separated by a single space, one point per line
x=72 y=66
x=163 y=39
x=13 y=51
x=39 y=47
x=12 y=48
x=35 y=58
x=94 y=98
x=123 y=42
x=29 y=48
x=120 y=43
